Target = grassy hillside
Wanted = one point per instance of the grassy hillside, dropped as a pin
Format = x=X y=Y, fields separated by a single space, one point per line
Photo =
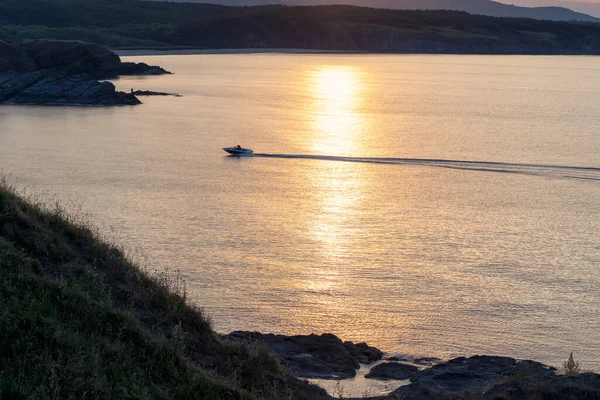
x=80 y=321
x=133 y=23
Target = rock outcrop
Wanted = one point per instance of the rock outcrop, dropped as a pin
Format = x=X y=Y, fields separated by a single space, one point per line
x=314 y=356
x=46 y=72
x=39 y=88
x=496 y=378
x=392 y=370
x=490 y=377
x=478 y=377
x=153 y=93
x=13 y=59
x=478 y=372
x=363 y=353
x=130 y=68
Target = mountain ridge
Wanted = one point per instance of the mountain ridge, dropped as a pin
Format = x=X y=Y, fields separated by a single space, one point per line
x=480 y=7
x=323 y=28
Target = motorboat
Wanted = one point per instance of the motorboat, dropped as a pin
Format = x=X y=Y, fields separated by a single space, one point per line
x=238 y=151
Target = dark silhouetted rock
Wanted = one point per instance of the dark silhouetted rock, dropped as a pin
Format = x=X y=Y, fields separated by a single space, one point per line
x=392 y=370
x=583 y=386
x=363 y=353
x=63 y=73
x=309 y=356
x=129 y=68
x=478 y=377
x=426 y=360
x=477 y=374
x=72 y=57
x=512 y=391
x=11 y=83
x=13 y=59
x=152 y=93
x=60 y=89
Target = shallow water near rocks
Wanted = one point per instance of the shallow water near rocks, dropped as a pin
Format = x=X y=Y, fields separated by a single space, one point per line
x=359 y=386
x=428 y=205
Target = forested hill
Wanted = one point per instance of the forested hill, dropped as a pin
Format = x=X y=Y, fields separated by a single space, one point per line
x=482 y=7
x=132 y=23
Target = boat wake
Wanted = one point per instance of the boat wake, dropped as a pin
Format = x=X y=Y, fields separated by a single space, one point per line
x=545 y=170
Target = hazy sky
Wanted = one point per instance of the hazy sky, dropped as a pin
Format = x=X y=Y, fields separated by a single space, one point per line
x=547 y=2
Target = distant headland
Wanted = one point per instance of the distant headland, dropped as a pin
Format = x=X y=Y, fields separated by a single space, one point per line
x=52 y=72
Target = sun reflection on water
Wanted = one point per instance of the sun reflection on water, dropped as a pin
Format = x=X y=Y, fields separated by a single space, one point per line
x=336 y=124
x=335 y=91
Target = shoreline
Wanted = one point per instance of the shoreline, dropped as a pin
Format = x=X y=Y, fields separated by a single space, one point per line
x=168 y=51
x=127 y=52
x=358 y=370
x=79 y=77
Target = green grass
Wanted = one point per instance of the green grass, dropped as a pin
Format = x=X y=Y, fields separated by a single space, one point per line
x=78 y=320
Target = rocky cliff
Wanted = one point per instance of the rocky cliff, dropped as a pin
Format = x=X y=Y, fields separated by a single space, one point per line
x=46 y=72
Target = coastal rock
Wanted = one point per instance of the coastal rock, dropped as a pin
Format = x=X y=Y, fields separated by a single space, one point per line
x=582 y=386
x=308 y=356
x=363 y=353
x=478 y=377
x=72 y=58
x=11 y=83
x=48 y=72
x=477 y=374
x=153 y=93
x=428 y=361
x=13 y=59
x=478 y=371
x=68 y=90
x=392 y=370
x=130 y=68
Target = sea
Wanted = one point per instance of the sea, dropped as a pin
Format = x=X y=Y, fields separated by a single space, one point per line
x=429 y=205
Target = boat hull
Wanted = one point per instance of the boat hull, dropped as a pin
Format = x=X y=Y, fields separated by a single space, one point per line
x=238 y=152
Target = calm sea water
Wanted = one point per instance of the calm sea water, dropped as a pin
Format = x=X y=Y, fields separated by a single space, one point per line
x=440 y=205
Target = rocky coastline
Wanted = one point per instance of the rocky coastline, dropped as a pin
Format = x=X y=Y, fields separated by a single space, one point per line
x=153 y=93
x=50 y=72
x=478 y=377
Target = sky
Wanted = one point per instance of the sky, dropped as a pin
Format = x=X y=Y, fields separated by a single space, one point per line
x=586 y=6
